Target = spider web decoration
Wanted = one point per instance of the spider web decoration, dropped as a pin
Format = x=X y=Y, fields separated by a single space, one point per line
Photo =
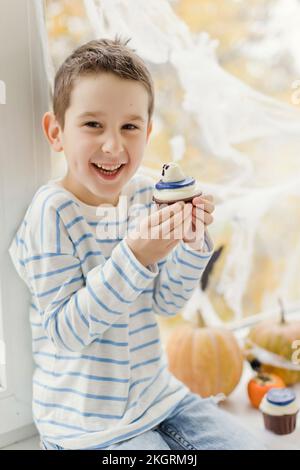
x=241 y=144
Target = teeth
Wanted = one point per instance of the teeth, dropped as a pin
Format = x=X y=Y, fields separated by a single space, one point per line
x=110 y=168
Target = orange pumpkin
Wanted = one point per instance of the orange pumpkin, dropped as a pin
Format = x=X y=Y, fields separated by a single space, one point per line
x=259 y=385
x=276 y=337
x=207 y=359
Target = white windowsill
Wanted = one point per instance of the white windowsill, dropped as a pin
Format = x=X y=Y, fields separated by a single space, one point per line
x=238 y=405
x=33 y=443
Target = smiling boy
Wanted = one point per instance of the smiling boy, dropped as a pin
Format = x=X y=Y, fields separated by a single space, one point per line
x=123 y=105
x=101 y=378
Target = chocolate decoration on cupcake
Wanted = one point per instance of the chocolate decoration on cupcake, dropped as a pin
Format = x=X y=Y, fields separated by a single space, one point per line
x=174 y=186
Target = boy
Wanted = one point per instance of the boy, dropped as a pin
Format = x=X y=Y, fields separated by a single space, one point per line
x=101 y=379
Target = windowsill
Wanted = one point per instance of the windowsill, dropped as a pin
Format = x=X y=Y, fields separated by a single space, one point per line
x=33 y=443
x=238 y=405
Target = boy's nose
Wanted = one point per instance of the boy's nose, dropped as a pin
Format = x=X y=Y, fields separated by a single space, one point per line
x=112 y=145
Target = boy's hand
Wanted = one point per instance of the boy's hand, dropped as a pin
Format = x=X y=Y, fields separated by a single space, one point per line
x=159 y=233
x=202 y=209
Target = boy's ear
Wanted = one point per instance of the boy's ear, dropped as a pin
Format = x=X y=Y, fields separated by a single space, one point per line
x=52 y=131
x=149 y=130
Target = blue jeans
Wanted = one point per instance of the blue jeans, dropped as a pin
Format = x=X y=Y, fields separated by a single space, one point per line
x=195 y=424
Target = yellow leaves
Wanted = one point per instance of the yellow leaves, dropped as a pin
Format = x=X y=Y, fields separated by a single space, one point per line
x=168 y=324
x=64 y=18
x=158 y=151
x=74 y=8
x=265 y=277
x=57 y=26
x=221 y=19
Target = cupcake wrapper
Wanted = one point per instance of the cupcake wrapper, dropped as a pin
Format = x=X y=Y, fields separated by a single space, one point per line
x=280 y=424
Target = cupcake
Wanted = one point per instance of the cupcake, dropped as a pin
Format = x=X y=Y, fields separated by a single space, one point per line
x=175 y=186
x=279 y=408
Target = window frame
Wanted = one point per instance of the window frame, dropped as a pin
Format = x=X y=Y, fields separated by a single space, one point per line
x=23 y=72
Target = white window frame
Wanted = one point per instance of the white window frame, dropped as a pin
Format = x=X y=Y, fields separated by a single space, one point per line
x=25 y=165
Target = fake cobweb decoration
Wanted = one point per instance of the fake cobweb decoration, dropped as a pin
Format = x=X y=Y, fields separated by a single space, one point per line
x=241 y=144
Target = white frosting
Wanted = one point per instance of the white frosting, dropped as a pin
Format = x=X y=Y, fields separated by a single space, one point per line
x=276 y=410
x=176 y=194
x=174 y=174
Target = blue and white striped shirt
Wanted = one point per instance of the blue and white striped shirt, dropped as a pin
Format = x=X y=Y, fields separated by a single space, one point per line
x=101 y=373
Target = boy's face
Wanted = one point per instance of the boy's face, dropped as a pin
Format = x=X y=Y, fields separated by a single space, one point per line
x=115 y=133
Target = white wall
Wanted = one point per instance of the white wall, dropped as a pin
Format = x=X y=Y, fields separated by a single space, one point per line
x=24 y=165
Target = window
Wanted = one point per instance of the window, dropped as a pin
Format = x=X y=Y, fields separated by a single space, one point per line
x=242 y=145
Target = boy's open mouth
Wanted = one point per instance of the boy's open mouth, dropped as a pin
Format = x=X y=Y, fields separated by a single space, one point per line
x=107 y=174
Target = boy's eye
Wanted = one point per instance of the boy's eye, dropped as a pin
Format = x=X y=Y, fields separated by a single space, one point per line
x=96 y=125
x=91 y=124
x=131 y=126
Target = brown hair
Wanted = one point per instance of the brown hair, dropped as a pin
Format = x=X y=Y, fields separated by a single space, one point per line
x=100 y=55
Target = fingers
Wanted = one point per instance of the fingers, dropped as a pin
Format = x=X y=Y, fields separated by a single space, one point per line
x=208 y=197
x=201 y=199
x=201 y=215
x=206 y=202
x=170 y=221
x=165 y=213
x=173 y=227
x=195 y=231
x=204 y=216
x=177 y=230
x=206 y=206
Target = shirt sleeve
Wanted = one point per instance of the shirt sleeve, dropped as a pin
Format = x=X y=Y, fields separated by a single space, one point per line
x=179 y=274
x=76 y=309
